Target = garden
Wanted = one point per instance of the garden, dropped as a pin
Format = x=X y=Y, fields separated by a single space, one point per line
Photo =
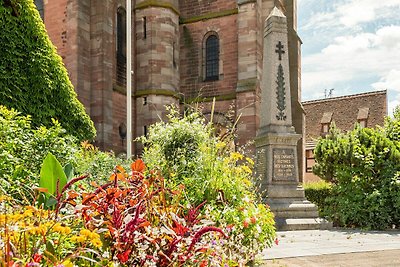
x=188 y=201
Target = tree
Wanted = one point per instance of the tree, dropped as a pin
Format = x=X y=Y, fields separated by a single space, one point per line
x=363 y=166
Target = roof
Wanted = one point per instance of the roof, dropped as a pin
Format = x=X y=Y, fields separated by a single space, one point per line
x=345 y=112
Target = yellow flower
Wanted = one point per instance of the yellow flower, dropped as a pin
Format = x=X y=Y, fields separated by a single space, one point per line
x=65 y=230
x=220 y=145
x=250 y=161
x=78 y=238
x=246 y=169
x=236 y=156
x=67 y=263
x=4 y=198
x=96 y=243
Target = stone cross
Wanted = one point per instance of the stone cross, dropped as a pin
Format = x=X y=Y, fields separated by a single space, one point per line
x=279 y=50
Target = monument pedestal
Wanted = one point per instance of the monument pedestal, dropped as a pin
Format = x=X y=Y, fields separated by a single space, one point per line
x=276 y=142
x=277 y=160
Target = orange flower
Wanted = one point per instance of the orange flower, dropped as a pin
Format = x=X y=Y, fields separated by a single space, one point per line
x=246 y=223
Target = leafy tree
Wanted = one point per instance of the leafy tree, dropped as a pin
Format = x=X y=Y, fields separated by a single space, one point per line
x=363 y=166
x=33 y=79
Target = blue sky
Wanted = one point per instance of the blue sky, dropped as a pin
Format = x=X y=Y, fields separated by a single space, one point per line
x=352 y=46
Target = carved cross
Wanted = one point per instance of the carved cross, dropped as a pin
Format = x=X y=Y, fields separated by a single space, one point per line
x=279 y=50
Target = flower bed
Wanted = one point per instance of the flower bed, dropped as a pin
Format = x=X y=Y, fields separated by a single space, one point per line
x=197 y=208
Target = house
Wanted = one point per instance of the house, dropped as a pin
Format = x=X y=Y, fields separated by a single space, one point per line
x=366 y=109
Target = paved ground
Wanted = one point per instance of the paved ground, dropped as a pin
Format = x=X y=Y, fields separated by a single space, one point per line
x=334 y=248
x=390 y=258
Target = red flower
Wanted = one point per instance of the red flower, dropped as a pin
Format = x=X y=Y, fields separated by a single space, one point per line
x=124 y=257
x=203 y=263
x=253 y=220
x=37 y=257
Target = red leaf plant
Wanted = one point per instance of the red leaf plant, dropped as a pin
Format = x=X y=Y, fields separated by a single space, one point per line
x=142 y=223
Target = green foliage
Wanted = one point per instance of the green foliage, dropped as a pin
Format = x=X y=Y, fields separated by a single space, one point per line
x=99 y=164
x=189 y=156
x=52 y=176
x=23 y=149
x=363 y=166
x=317 y=193
x=33 y=79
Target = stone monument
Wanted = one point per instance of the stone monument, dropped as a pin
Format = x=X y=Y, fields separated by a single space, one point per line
x=276 y=142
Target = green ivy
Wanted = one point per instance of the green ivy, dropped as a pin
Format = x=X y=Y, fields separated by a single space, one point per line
x=33 y=79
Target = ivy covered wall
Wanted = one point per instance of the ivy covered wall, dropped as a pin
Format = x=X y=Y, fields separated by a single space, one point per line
x=33 y=78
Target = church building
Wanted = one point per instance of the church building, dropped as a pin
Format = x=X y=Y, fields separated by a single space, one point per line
x=183 y=51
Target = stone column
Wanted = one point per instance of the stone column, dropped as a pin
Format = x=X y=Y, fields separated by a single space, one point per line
x=276 y=142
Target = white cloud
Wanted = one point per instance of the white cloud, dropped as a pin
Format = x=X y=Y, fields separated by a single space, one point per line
x=392 y=105
x=352 y=13
x=391 y=81
x=350 y=58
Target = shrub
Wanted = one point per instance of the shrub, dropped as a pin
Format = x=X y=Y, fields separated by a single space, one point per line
x=187 y=154
x=363 y=166
x=317 y=193
x=23 y=148
x=33 y=79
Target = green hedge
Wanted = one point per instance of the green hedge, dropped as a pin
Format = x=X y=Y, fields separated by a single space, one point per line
x=363 y=167
x=317 y=193
x=33 y=79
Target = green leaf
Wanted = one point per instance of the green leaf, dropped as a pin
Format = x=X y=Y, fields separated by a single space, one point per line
x=51 y=202
x=51 y=173
x=69 y=171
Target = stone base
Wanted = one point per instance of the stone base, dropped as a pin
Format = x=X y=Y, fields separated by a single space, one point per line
x=292 y=210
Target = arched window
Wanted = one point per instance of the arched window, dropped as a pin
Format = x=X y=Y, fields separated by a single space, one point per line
x=212 y=58
x=40 y=8
x=121 y=47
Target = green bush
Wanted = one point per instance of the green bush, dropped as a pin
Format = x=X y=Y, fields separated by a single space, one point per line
x=189 y=156
x=363 y=166
x=33 y=79
x=24 y=147
x=317 y=193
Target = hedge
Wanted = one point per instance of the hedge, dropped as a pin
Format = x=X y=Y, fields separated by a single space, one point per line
x=33 y=78
x=317 y=193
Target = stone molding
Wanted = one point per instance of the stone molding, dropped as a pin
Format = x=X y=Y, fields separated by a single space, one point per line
x=153 y=3
x=163 y=92
x=208 y=16
x=246 y=85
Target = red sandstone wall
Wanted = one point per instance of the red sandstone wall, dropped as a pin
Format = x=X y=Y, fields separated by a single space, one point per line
x=190 y=8
x=55 y=13
x=191 y=57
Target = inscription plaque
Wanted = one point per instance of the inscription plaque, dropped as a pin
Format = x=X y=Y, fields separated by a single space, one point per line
x=284 y=166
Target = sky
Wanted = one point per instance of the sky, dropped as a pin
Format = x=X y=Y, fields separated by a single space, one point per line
x=352 y=46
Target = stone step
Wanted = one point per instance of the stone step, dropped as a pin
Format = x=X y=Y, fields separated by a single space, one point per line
x=283 y=224
x=293 y=208
x=295 y=214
